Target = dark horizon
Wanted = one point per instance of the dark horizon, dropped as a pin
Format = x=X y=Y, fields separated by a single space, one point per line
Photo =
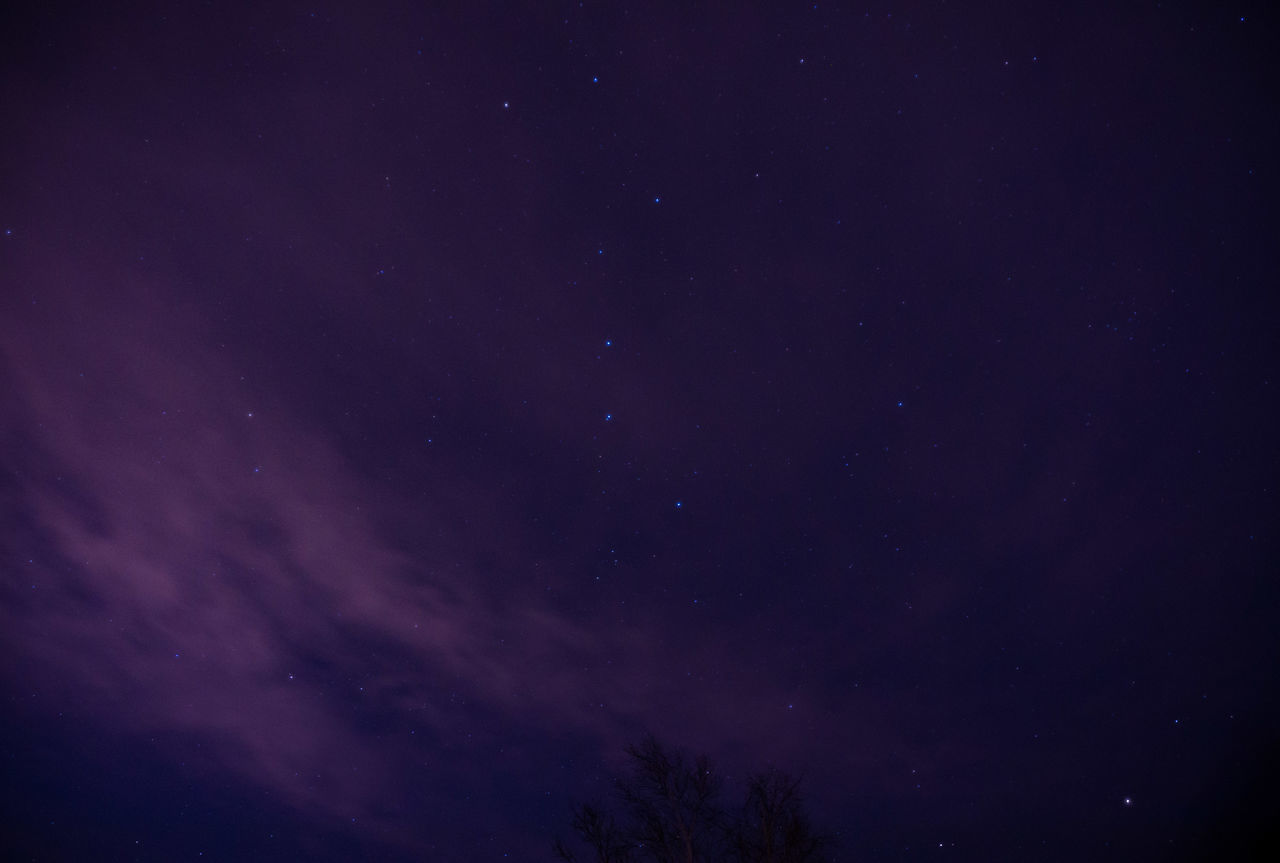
x=403 y=409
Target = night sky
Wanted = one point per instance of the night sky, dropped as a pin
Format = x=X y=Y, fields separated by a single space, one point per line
x=402 y=409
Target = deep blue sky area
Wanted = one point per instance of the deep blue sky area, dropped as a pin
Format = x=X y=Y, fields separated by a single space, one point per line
x=404 y=407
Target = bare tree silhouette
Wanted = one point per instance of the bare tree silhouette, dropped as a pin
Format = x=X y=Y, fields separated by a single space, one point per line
x=671 y=813
x=601 y=833
x=772 y=826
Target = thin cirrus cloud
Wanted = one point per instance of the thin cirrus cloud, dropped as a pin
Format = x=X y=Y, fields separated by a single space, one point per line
x=193 y=564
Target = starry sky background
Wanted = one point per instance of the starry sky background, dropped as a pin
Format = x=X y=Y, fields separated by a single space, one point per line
x=403 y=409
